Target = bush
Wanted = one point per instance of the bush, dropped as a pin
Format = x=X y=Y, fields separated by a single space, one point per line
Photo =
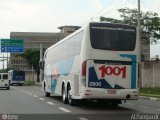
x=29 y=82
x=154 y=91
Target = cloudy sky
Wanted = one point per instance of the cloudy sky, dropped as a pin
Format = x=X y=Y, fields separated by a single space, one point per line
x=47 y=15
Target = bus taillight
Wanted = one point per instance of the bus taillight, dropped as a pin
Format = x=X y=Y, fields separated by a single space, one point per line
x=84 y=64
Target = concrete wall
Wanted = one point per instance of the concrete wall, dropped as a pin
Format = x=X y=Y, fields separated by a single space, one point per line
x=30 y=76
x=150 y=74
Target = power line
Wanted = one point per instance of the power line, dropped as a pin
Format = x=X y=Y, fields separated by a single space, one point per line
x=115 y=4
x=113 y=8
x=90 y=19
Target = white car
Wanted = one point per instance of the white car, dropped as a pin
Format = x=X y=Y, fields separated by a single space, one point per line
x=4 y=81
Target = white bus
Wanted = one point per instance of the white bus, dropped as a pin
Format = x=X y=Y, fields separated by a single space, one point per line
x=99 y=62
x=4 y=81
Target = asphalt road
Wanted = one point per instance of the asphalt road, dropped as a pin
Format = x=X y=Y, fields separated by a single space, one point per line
x=30 y=103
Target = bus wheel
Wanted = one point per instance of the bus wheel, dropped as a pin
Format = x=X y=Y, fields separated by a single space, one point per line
x=47 y=94
x=64 y=96
x=70 y=100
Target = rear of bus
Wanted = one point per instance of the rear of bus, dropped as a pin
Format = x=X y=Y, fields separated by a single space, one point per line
x=110 y=66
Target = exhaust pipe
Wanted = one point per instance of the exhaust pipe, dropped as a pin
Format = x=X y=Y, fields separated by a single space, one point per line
x=128 y=96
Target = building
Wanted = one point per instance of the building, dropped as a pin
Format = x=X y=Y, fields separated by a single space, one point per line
x=36 y=40
x=145 y=52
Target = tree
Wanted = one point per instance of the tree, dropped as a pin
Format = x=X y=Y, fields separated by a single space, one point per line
x=150 y=23
x=32 y=57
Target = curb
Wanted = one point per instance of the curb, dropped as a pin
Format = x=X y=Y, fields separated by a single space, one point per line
x=149 y=98
x=38 y=84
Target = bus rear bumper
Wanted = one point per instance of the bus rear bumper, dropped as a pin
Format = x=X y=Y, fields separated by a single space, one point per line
x=122 y=94
x=17 y=82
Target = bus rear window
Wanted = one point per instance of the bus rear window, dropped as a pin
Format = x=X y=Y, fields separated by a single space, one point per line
x=107 y=36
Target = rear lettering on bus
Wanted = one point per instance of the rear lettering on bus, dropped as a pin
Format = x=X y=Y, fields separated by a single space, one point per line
x=108 y=70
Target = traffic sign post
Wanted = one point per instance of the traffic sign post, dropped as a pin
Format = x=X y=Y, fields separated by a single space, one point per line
x=12 y=49
x=11 y=45
x=11 y=42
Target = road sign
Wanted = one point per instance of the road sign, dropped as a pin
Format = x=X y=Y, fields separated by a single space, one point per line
x=11 y=42
x=12 y=49
x=11 y=45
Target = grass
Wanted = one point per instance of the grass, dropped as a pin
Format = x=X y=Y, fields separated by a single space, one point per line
x=151 y=92
x=29 y=82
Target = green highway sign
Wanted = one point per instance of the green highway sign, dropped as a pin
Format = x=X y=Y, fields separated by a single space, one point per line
x=11 y=45
x=11 y=42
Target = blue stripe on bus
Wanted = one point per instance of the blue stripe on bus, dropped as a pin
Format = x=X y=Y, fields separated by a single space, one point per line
x=133 y=69
x=63 y=68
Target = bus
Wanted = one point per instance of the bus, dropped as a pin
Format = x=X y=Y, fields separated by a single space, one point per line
x=99 y=61
x=16 y=77
x=4 y=81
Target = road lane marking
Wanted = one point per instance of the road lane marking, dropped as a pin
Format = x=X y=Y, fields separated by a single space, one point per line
x=41 y=99
x=50 y=103
x=64 y=109
x=144 y=107
x=82 y=118
x=152 y=98
x=158 y=109
x=30 y=93
x=129 y=103
x=35 y=95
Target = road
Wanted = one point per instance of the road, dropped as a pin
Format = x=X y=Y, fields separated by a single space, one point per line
x=30 y=100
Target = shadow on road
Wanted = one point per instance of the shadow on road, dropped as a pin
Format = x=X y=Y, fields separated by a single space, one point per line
x=94 y=105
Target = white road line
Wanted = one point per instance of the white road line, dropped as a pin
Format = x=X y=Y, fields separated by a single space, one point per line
x=35 y=95
x=158 y=109
x=152 y=98
x=50 y=103
x=64 y=109
x=30 y=93
x=129 y=103
x=144 y=107
x=41 y=99
x=81 y=118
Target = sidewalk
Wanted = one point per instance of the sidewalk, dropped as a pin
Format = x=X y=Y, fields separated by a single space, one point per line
x=149 y=96
x=38 y=84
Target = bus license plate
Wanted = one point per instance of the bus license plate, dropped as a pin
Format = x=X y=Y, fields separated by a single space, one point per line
x=111 y=91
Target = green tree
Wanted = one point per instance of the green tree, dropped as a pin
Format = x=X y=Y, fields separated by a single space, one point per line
x=32 y=57
x=150 y=23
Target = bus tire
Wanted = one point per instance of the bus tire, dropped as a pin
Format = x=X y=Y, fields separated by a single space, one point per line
x=64 y=96
x=71 y=101
x=47 y=94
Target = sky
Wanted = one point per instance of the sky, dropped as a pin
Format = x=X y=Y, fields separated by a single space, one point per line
x=47 y=15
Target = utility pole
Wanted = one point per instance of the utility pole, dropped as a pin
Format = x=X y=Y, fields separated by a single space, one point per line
x=139 y=22
x=139 y=41
x=3 y=61
x=41 y=57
